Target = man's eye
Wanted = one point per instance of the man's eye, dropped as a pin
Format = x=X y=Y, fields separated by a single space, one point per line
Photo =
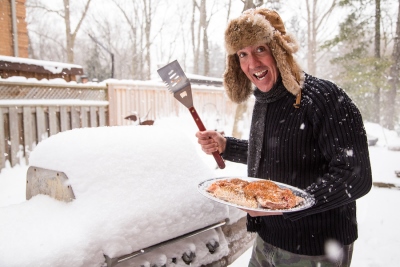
x=241 y=55
x=260 y=49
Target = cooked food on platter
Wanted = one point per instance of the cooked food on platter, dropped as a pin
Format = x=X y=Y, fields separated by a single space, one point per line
x=233 y=191
x=256 y=194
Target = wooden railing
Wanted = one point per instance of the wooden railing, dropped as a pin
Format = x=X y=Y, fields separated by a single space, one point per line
x=31 y=112
x=151 y=100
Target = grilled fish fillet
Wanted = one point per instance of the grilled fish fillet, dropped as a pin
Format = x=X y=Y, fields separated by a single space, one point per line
x=265 y=194
x=233 y=192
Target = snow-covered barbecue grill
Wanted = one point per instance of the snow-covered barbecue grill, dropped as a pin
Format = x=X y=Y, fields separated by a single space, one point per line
x=131 y=195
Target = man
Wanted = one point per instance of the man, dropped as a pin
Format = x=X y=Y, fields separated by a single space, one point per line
x=305 y=132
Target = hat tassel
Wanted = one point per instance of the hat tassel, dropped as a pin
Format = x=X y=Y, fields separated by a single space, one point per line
x=298 y=98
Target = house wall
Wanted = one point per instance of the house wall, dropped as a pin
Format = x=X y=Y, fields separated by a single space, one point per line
x=6 y=30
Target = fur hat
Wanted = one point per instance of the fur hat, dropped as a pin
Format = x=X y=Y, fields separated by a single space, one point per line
x=253 y=27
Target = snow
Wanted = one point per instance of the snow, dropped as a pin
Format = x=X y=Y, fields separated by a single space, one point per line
x=50 y=82
x=129 y=182
x=156 y=83
x=52 y=66
x=51 y=102
x=132 y=181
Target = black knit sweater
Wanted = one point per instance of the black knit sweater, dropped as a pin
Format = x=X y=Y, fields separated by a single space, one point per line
x=320 y=147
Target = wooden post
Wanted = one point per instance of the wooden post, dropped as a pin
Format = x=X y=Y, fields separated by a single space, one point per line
x=53 y=125
x=28 y=130
x=64 y=120
x=41 y=124
x=14 y=135
x=93 y=117
x=2 y=141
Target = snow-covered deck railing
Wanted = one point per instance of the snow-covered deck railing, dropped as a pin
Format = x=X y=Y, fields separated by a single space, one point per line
x=152 y=100
x=32 y=110
x=27 y=122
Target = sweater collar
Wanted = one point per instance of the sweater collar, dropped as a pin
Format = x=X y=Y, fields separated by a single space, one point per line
x=277 y=91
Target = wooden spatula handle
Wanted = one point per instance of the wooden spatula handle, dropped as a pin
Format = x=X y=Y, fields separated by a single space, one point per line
x=200 y=125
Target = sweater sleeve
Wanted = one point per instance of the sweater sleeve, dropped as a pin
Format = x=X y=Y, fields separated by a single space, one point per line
x=340 y=133
x=236 y=150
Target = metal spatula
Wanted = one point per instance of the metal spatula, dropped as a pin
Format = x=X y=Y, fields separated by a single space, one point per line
x=177 y=82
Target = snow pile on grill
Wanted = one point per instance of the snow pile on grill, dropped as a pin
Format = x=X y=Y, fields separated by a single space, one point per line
x=135 y=186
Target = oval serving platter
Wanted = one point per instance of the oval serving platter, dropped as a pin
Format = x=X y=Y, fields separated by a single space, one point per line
x=307 y=203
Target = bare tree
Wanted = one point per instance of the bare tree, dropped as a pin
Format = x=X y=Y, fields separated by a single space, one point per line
x=48 y=45
x=65 y=14
x=69 y=33
x=229 y=6
x=196 y=40
x=315 y=22
x=248 y=4
x=168 y=39
x=139 y=16
x=377 y=55
x=99 y=61
x=203 y=25
x=147 y=12
x=131 y=16
x=394 y=76
x=200 y=40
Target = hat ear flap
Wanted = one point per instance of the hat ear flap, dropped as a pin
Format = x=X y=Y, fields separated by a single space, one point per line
x=288 y=67
x=237 y=86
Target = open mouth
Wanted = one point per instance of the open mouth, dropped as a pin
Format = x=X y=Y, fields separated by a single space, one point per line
x=260 y=75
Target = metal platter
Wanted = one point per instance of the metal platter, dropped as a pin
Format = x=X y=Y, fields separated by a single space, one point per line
x=307 y=203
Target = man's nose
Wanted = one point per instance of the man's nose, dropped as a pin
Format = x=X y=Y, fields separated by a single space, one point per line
x=254 y=62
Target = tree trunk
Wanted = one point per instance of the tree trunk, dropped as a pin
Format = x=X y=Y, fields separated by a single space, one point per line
x=248 y=4
x=135 y=66
x=203 y=26
x=311 y=36
x=147 y=29
x=70 y=36
x=194 y=44
x=394 y=76
x=315 y=21
x=229 y=10
x=377 y=54
x=134 y=42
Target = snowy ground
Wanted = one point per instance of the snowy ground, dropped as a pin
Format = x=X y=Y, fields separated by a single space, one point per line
x=378 y=226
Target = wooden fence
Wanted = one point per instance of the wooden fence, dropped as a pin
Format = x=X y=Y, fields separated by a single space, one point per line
x=151 y=100
x=31 y=112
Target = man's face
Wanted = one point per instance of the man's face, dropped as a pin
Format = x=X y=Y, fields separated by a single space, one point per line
x=259 y=66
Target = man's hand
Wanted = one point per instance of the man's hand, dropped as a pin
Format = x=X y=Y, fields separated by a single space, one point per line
x=211 y=141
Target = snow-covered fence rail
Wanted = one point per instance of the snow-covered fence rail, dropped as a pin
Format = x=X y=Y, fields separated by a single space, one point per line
x=152 y=100
x=31 y=112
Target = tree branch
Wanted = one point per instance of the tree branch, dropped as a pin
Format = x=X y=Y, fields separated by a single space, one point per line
x=57 y=12
x=82 y=18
